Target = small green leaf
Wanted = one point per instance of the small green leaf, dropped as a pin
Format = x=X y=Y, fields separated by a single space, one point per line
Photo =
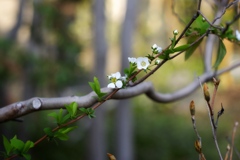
x=69 y=109
x=92 y=85
x=191 y=50
x=97 y=84
x=200 y=26
x=16 y=143
x=7 y=145
x=48 y=132
x=74 y=108
x=88 y=111
x=66 y=130
x=83 y=110
x=61 y=136
x=181 y=48
x=165 y=55
x=221 y=53
x=66 y=118
x=53 y=114
x=59 y=116
x=27 y=146
x=96 y=88
x=26 y=155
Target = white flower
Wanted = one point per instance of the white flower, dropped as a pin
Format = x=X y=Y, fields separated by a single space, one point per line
x=238 y=35
x=159 y=49
x=115 y=79
x=175 y=32
x=142 y=63
x=132 y=59
x=154 y=46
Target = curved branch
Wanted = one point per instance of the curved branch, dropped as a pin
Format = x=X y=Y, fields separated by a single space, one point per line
x=21 y=108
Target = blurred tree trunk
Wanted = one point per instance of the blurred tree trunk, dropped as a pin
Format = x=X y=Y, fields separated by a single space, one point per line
x=124 y=131
x=96 y=137
x=12 y=35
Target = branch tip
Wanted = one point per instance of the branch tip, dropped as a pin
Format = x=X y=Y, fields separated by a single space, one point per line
x=36 y=103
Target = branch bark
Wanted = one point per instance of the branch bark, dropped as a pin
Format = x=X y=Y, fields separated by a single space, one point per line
x=22 y=108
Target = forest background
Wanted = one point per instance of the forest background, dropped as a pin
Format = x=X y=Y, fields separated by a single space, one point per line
x=50 y=48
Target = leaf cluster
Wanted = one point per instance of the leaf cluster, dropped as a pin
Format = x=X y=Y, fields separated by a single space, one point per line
x=16 y=147
x=60 y=134
x=62 y=118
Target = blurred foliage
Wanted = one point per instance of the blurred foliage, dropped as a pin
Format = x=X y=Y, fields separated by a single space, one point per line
x=56 y=69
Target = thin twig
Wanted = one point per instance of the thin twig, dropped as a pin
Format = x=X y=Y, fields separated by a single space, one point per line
x=227 y=153
x=232 y=141
x=197 y=40
x=234 y=147
x=219 y=114
x=230 y=23
x=214 y=128
x=176 y=15
x=210 y=23
x=195 y=16
x=224 y=10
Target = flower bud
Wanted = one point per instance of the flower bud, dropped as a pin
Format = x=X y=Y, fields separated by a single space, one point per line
x=175 y=32
x=111 y=157
x=192 y=108
x=206 y=92
x=198 y=146
x=154 y=46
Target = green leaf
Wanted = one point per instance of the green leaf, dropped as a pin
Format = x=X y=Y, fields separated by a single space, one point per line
x=7 y=145
x=26 y=155
x=48 y=132
x=191 y=50
x=88 y=111
x=200 y=26
x=74 y=108
x=96 y=88
x=165 y=55
x=16 y=143
x=69 y=109
x=181 y=48
x=92 y=85
x=61 y=136
x=97 y=84
x=53 y=114
x=221 y=53
x=66 y=130
x=27 y=146
x=59 y=116
x=66 y=118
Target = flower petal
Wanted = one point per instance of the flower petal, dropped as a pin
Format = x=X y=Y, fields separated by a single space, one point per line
x=132 y=59
x=119 y=84
x=118 y=75
x=238 y=35
x=159 y=49
x=111 y=85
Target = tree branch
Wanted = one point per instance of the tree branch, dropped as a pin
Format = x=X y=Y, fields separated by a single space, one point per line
x=22 y=108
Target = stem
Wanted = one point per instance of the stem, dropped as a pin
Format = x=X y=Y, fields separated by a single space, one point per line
x=214 y=128
x=232 y=141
